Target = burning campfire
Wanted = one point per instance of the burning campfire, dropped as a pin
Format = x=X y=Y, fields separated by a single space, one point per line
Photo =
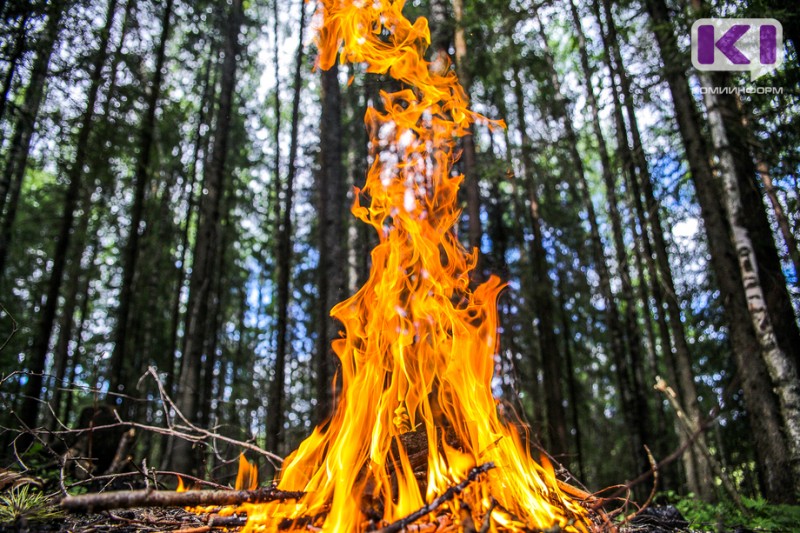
x=418 y=345
x=416 y=435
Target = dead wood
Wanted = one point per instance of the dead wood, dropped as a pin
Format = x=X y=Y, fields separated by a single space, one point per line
x=487 y=518
x=692 y=431
x=165 y=498
x=215 y=522
x=467 y=523
x=448 y=495
x=654 y=469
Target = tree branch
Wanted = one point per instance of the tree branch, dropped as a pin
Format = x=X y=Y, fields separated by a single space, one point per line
x=167 y=498
x=448 y=495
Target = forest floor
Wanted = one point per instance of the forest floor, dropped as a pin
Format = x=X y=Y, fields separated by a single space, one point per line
x=178 y=520
x=139 y=520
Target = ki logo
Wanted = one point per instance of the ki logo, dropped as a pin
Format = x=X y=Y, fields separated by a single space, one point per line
x=755 y=45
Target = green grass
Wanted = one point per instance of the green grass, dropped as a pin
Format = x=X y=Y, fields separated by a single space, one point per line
x=21 y=504
x=760 y=516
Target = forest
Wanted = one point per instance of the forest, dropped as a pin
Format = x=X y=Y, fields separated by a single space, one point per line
x=175 y=227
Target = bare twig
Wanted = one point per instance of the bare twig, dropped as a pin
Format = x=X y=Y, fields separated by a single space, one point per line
x=14 y=327
x=166 y=498
x=672 y=457
x=692 y=432
x=487 y=519
x=448 y=495
x=226 y=521
x=113 y=477
x=654 y=470
x=185 y=430
x=467 y=523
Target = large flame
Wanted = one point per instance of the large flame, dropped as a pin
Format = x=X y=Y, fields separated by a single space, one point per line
x=418 y=346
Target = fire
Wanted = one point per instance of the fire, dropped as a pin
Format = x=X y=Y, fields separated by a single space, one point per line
x=418 y=344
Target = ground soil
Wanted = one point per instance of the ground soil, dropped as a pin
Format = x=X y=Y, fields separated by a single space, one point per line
x=151 y=520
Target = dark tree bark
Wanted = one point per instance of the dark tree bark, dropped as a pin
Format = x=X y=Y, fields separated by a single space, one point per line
x=78 y=274
x=207 y=243
x=678 y=357
x=41 y=344
x=215 y=307
x=116 y=377
x=359 y=235
x=543 y=296
x=275 y=219
x=24 y=127
x=572 y=381
x=618 y=350
x=522 y=220
x=468 y=156
x=200 y=145
x=66 y=413
x=75 y=278
x=623 y=263
x=759 y=399
x=13 y=57
x=445 y=33
x=276 y=391
x=792 y=249
x=330 y=206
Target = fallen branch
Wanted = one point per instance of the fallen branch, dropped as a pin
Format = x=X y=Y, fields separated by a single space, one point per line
x=702 y=426
x=487 y=518
x=654 y=470
x=166 y=498
x=215 y=522
x=448 y=495
x=662 y=387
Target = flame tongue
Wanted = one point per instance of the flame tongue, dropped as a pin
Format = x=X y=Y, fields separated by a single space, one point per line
x=417 y=354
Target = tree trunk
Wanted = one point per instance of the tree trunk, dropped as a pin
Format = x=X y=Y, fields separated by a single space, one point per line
x=679 y=362
x=572 y=382
x=623 y=263
x=41 y=344
x=781 y=367
x=275 y=220
x=18 y=48
x=330 y=206
x=759 y=399
x=792 y=249
x=207 y=243
x=199 y=145
x=83 y=312
x=770 y=271
x=615 y=328
x=215 y=307
x=542 y=296
x=71 y=300
x=522 y=219
x=276 y=391
x=117 y=378
x=24 y=127
x=471 y=184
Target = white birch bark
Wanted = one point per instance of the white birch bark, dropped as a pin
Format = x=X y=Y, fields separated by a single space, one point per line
x=782 y=369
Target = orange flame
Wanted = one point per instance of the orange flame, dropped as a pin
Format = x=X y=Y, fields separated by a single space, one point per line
x=247 y=476
x=419 y=343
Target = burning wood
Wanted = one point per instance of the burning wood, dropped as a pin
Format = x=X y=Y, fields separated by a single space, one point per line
x=416 y=436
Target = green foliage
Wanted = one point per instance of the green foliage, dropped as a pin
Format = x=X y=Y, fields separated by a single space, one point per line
x=21 y=505
x=759 y=515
